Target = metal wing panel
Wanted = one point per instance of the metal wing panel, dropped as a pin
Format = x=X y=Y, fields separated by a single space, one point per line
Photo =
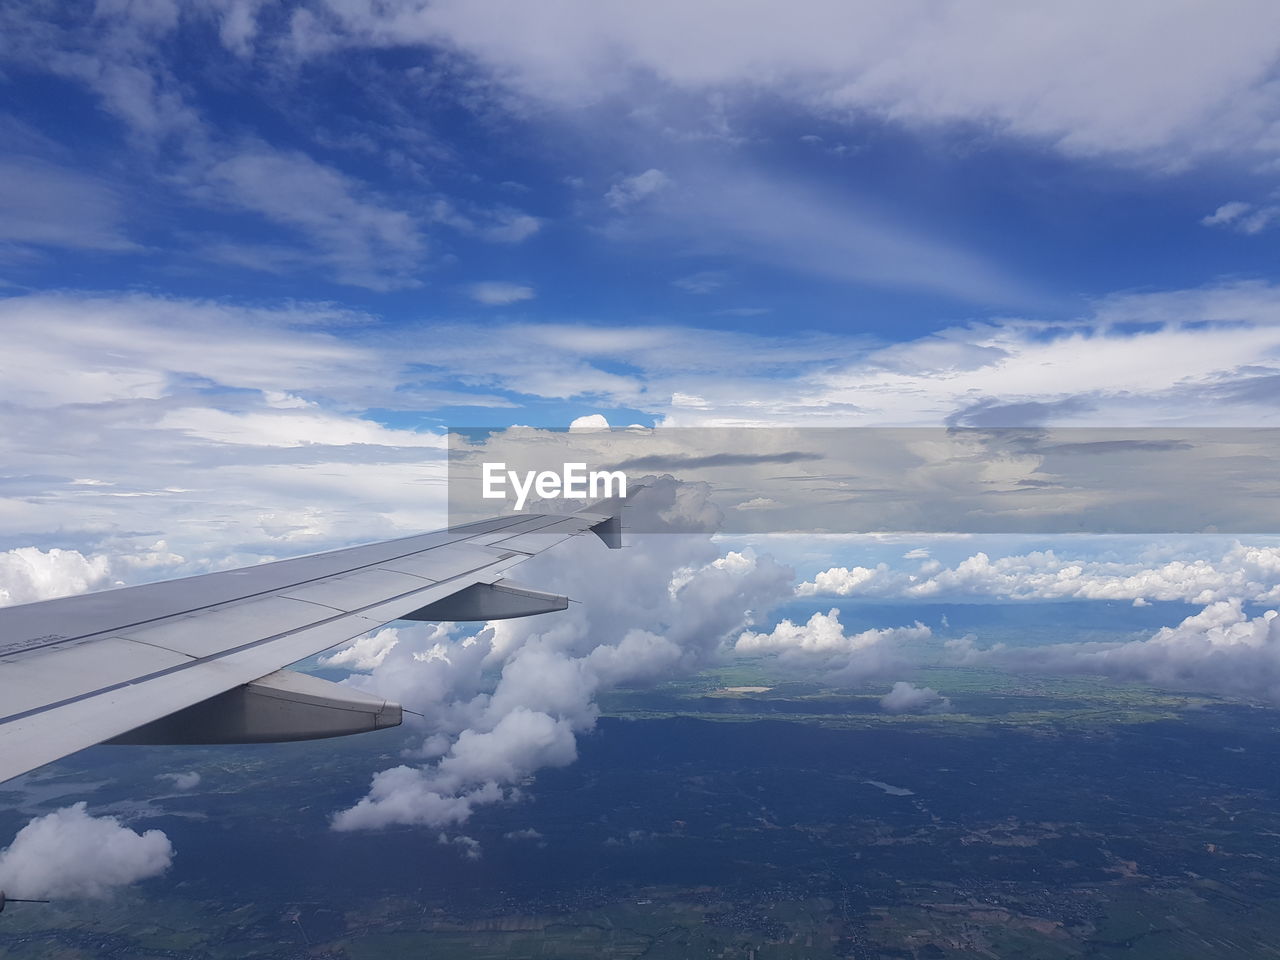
x=352 y=591
x=211 y=631
x=66 y=672
x=544 y=537
x=437 y=566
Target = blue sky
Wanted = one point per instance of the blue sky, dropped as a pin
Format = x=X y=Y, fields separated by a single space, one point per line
x=391 y=160
x=239 y=239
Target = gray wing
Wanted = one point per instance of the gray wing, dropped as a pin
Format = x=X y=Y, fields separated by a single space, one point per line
x=199 y=660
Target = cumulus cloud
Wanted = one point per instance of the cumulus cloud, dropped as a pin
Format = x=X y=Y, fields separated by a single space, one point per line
x=469 y=847
x=498 y=293
x=821 y=646
x=1221 y=650
x=590 y=421
x=905 y=697
x=367 y=652
x=514 y=697
x=28 y=574
x=68 y=853
x=1249 y=572
x=187 y=780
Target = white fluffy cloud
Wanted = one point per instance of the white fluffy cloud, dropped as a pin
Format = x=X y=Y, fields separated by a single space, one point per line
x=906 y=697
x=514 y=698
x=1248 y=572
x=366 y=653
x=1221 y=649
x=68 y=853
x=821 y=645
x=28 y=574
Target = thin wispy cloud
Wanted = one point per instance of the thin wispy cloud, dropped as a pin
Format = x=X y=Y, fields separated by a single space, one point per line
x=498 y=293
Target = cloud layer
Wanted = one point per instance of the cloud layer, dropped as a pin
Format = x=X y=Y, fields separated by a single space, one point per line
x=1220 y=650
x=1159 y=78
x=1244 y=572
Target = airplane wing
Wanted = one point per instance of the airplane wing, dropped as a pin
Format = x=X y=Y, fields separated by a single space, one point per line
x=200 y=660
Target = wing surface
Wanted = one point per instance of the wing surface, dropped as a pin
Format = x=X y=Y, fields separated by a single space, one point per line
x=79 y=670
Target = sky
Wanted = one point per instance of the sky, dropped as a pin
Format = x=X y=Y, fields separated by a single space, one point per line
x=256 y=258
x=265 y=254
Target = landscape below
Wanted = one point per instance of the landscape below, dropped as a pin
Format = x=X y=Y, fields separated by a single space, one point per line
x=732 y=814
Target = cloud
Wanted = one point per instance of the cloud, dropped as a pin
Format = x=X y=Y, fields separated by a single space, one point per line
x=203 y=409
x=1220 y=650
x=511 y=226
x=289 y=428
x=1225 y=213
x=468 y=846
x=1249 y=572
x=589 y=422
x=784 y=222
x=186 y=395
x=628 y=191
x=822 y=647
x=28 y=574
x=513 y=698
x=1242 y=217
x=181 y=781
x=494 y=224
x=1160 y=81
x=238 y=24
x=706 y=281
x=908 y=698
x=498 y=293
x=68 y=853
x=42 y=205
x=366 y=653
x=364 y=240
